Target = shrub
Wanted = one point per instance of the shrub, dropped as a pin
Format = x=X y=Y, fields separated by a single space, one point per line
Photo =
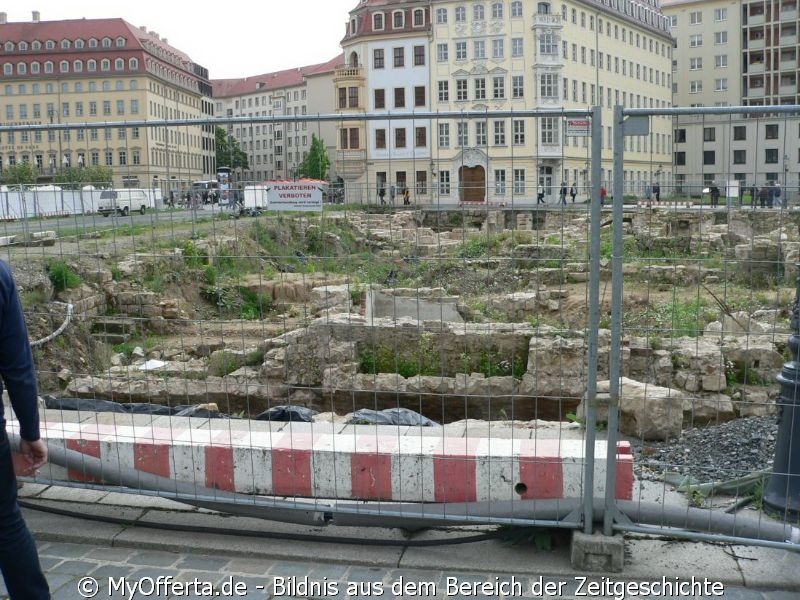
x=61 y=276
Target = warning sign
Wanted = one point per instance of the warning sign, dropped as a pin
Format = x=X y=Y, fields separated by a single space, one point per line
x=301 y=195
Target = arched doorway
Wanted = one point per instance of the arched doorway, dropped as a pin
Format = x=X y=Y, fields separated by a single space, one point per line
x=472 y=183
x=353 y=60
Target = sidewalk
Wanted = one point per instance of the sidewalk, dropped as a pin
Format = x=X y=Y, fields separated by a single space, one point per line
x=74 y=548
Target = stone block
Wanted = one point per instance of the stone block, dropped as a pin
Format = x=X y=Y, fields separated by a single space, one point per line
x=597 y=553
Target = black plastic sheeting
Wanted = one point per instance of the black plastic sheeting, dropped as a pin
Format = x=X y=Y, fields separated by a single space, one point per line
x=138 y=408
x=390 y=416
x=287 y=412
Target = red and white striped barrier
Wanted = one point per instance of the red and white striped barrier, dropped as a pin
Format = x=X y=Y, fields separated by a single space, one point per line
x=308 y=460
x=668 y=204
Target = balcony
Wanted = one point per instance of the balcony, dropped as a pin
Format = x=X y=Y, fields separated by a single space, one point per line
x=788 y=64
x=756 y=44
x=546 y=20
x=348 y=74
x=789 y=89
x=789 y=13
x=755 y=19
x=351 y=164
x=548 y=60
x=550 y=150
x=756 y=92
x=789 y=40
x=756 y=67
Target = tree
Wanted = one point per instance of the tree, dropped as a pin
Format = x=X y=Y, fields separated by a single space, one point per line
x=73 y=178
x=229 y=153
x=316 y=163
x=24 y=173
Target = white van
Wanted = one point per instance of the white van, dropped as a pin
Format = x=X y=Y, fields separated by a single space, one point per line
x=122 y=201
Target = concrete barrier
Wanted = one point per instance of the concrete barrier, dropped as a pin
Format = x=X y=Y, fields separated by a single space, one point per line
x=323 y=460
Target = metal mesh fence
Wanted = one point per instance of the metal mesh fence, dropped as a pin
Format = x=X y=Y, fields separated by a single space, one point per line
x=440 y=355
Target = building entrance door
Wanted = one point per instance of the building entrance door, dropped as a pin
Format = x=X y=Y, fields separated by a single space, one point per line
x=473 y=183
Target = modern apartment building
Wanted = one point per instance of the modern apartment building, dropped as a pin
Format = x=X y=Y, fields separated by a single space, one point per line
x=103 y=70
x=731 y=53
x=275 y=150
x=506 y=55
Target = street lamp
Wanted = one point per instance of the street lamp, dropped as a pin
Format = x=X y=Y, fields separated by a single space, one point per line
x=785 y=177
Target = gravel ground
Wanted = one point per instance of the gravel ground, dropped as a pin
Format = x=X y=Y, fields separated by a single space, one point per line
x=716 y=453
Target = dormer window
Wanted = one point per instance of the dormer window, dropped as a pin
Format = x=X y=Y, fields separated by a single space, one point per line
x=398 y=19
x=377 y=22
x=23 y=46
x=92 y=43
x=120 y=42
x=352 y=26
x=49 y=45
x=36 y=45
x=65 y=44
x=9 y=46
x=79 y=44
x=419 y=17
x=106 y=42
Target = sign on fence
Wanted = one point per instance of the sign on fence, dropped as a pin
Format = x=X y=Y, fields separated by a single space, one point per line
x=301 y=195
x=578 y=127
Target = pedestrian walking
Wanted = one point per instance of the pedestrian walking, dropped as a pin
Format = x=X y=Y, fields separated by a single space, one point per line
x=603 y=194
x=382 y=194
x=562 y=193
x=19 y=560
x=406 y=197
x=573 y=191
x=713 y=190
x=763 y=196
x=392 y=194
x=657 y=192
x=540 y=195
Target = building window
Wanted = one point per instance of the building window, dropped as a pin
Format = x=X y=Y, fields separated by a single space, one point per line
x=548 y=44
x=517 y=47
x=771 y=132
x=109 y=158
x=134 y=106
x=461 y=50
x=721 y=37
x=419 y=95
x=398 y=19
x=441 y=15
x=399 y=97
x=477 y=12
x=695 y=17
x=519 y=132
x=461 y=14
x=120 y=107
x=419 y=56
x=377 y=21
x=497 y=10
x=419 y=17
x=444 y=183
x=549 y=130
x=479 y=50
x=709 y=134
x=400 y=137
x=739 y=157
x=379 y=96
x=462 y=134
x=480 y=88
x=695 y=87
x=500 y=182
x=695 y=64
x=399 y=57
x=548 y=86
x=709 y=157
x=498 y=87
x=444 y=91
x=721 y=61
x=517 y=86
x=422 y=182
x=461 y=89
x=498 y=48
x=420 y=137
x=107 y=107
x=444 y=135
x=739 y=133
x=441 y=52
x=480 y=133
x=352 y=97
x=516 y=9
x=680 y=158
x=380 y=139
x=377 y=58
x=119 y=64
x=105 y=65
x=771 y=156
x=499 y=133
x=696 y=40
x=721 y=85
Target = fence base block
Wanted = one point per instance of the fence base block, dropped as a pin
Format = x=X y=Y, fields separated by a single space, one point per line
x=597 y=552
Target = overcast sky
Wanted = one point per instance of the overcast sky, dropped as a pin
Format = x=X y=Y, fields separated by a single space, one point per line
x=232 y=38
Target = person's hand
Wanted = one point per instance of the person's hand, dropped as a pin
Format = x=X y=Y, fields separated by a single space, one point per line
x=34 y=454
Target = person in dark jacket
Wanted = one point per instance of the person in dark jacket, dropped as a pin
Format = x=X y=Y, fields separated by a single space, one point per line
x=19 y=560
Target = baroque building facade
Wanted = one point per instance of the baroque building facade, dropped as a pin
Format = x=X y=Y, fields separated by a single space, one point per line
x=499 y=55
x=100 y=71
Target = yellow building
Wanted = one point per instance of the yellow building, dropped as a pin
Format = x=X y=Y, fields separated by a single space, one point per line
x=99 y=71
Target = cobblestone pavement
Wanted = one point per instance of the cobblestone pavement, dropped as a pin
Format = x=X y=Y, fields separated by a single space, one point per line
x=88 y=571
